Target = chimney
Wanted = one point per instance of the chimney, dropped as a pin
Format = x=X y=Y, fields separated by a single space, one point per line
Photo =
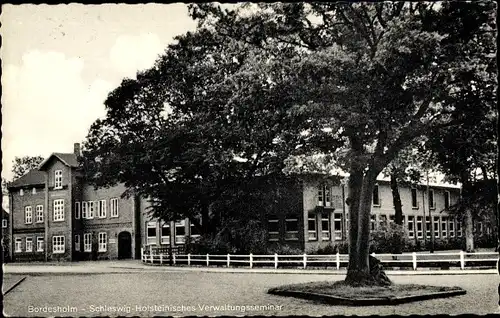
x=76 y=150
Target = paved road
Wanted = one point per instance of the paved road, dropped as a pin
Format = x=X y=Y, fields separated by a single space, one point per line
x=181 y=293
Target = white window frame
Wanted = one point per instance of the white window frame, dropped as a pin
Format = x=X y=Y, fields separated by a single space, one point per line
x=312 y=234
x=114 y=207
x=39 y=244
x=77 y=242
x=328 y=196
x=447 y=196
x=451 y=227
x=77 y=210
x=58 y=210
x=378 y=203
x=21 y=192
x=414 y=206
x=373 y=222
x=420 y=233
x=151 y=240
x=180 y=239
x=164 y=239
x=39 y=213
x=18 y=245
x=191 y=226
x=58 y=179
x=273 y=235
x=411 y=220
x=103 y=242
x=90 y=212
x=58 y=244
x=29 y=244
x=28 y=214
x=436 y=221
x=459 y=229
x=101 y=208
x=292 y=235
x=87 y=242
x=321 y=195
x=337 y=220
x=85 y=208
x=428 y=227
x=4 y=223
x=33 y=191
x=444 y=227
x=325 y=233
x=432 y=203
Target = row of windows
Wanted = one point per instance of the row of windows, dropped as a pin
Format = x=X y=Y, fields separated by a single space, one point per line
x=179 y=232
x=21 y=191
x=87 y=209
x=325 y=198
x=58 y=243
x=58 y=212
x=292 y=232
x=57 y=183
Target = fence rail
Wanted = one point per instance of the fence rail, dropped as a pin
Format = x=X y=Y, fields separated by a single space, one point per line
x=460 y=259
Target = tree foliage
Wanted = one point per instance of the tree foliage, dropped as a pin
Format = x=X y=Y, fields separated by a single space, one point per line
x=22 y=165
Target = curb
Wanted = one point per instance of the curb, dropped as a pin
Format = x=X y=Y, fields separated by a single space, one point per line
x=14 y=286
x=389 y=301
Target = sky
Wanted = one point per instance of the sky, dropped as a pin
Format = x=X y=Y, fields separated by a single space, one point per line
x=60 y=62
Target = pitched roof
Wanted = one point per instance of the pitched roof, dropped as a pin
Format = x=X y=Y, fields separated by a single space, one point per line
x=68 y=159
x=33 y=177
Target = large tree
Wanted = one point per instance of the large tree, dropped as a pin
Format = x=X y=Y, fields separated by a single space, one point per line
x=378 y=75
x=22 y=165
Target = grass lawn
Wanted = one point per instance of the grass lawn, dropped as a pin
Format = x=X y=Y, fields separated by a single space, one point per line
x=340 y=289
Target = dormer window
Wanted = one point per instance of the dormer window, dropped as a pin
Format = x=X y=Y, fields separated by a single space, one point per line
x=21 y=192
x=58 y=179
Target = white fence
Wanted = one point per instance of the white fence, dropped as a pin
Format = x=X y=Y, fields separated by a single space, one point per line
x=412 y=260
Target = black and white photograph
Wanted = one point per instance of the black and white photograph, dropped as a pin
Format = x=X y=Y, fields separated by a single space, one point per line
x=250 y=159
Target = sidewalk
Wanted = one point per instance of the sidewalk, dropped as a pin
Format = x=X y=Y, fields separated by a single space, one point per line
x=135 y=266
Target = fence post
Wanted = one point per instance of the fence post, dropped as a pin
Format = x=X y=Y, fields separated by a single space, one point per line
x=414 y=259
x=189 y=259
x=161 y=258
x=142 y=254
x=275 y=260
x=173 y=258
x=207 y=259
x=228 y=260
x=337 y=260
x=462 y=260
x=251 y=260
x=151 y=257
x=305 y=260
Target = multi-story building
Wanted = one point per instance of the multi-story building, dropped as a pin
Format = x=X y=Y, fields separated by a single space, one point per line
x=57 y=215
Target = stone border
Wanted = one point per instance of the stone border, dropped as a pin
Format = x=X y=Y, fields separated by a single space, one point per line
x=387 y=301
x=14 y=286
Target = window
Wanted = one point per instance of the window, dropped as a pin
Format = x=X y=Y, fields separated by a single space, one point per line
x=428 y=226
x=29 y=244
x=436 y=226
x=411 y=226
x=180 y=232
x=447 y=200
x=85 y=207
x=459 y=229
x=414 y=199
x=103 y=242
x=101 y=208
x=39 y=244
x=480 y=228
x=28 y=215
x=59 y=210
x=90 y=212
x=328 y=198
x=444 y=222
x=432 y=204
x=273 y=228
x=337 y=226
x=392 y=219
x=373 y=222
x=19 y=245
x=419 y=227
x=291 y=229
x=320 y=196
x=114 y=207
x=151 y=233
x=39 y=213
x=165 y=233
x=77 y=243
x=77 y=210
x=58 y=244
x=87 y=242
x=33 y=191
x=4 y=223
x=311 y=227
x=382 y=221
x=21 y=192
x=58 y=179
x=452 y=228
x=376 y=198
x=193 y=230
x=325 y=226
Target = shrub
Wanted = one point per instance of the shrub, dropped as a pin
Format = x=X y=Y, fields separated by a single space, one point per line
x=284 y=249
x=388 y=238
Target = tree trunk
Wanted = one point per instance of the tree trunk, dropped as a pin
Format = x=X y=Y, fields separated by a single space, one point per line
x=354 y=185
x=398 y=208
x=469 y=231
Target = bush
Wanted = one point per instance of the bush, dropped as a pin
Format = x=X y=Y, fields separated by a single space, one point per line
x=388 y=238
x=342 y=248
x=283 y=249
